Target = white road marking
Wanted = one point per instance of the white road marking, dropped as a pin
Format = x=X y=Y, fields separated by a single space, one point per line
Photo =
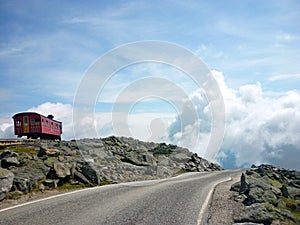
x=47 y=198
x=206 y=202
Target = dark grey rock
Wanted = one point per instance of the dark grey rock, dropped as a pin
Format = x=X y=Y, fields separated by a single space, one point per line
x=244 y=189
x=27 y=175
x=88 y=171
x=284 y=191
x=6 y=182
x=236 y=187
x=9 y=161
x=8 y=153
x=294 y=193
x=256 y=213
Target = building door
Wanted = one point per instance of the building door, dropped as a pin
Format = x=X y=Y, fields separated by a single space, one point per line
x=25 y=124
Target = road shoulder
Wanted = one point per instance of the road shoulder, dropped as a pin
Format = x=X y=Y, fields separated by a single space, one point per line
x=223 y=208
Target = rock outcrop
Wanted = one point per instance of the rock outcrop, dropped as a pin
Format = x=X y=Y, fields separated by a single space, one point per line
x=44 y=165
x=271 y=195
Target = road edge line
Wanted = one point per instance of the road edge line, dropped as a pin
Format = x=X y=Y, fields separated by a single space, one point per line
x=47 y=198
x=207 y=200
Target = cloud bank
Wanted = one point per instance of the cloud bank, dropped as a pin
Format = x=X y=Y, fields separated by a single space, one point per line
x=261 y=127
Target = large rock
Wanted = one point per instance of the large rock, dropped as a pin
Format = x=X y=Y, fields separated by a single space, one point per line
x=257 y=213
x=8 y=153
x=88 y=171
x=6 y=182
x=51 y=152
x=9 y=161
x=28 y=175
x=62 y=170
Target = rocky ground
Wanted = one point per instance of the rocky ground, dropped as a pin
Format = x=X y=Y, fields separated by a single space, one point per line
x=269 y=195
x=62 y=165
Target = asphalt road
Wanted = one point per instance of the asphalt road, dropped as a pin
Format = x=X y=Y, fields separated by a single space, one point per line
x=175 y=201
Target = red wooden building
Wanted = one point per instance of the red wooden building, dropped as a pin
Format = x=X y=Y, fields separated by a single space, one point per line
x=34 y=125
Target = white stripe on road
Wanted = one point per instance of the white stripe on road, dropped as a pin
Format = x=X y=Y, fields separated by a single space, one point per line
x=206 y=202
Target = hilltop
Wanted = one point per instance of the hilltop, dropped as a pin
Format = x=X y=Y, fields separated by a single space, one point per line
x=60 y=165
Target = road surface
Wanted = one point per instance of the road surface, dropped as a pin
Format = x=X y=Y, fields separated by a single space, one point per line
x=175 y=201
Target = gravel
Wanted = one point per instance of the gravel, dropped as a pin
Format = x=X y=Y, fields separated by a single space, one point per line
x=223 y=208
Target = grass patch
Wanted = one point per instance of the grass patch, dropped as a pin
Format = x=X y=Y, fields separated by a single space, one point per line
x=68 y=186
x=181 y=171
x=105 y=181
x=293 y=206
x=31 y=151
x=275 y=183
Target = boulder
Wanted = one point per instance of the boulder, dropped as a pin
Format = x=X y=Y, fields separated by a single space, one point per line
x=236 y=187
x=284 y=191
x=49 y=183
x=51 y=152
x=9 y=161
x=28 y=175
x=256 y=213
x=6 y=182
x=294 y=193
x=62 y=170
x=79 y=176
x=139 y=158
x=8 y=153
x=88 y=171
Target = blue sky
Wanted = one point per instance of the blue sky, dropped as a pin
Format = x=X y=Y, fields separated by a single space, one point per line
x=47 y=46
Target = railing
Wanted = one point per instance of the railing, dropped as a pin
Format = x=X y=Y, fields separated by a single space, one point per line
x=10 y=142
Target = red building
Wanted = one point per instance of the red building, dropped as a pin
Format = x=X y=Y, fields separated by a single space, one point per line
x=34 y=125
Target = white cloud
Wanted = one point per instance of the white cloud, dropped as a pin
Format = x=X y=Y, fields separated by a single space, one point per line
x=259 y=128
x=284 y=77
x=61 y=112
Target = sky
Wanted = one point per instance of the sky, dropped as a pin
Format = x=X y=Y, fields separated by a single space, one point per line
x=252 y=48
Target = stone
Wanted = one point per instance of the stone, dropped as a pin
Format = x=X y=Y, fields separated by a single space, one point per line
x=244 y=189
x=199 y=164
x=256 y=213
x=28 y=175
x=8 y=153
x=284 y=191
x=62 y=170
x=6 y=182
x=240 y=198
x=42 y=187
x=61 y=158
x=82 y=178
x=51 y=152
x=9 y=161
x=294 y=193
x=51 y=183
x=236 y=187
